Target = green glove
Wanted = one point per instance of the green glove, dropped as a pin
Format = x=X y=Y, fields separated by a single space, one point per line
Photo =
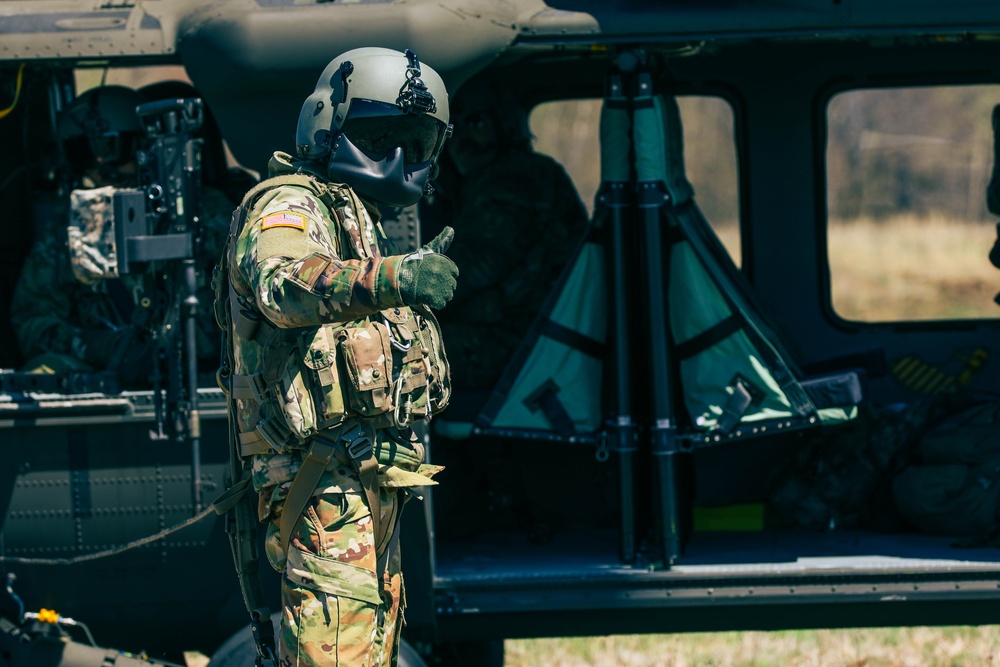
x=427 y=276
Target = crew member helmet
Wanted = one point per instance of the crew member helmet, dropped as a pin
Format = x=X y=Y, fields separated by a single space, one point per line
x=484 y=96
x=378 y=119
x=100 y=127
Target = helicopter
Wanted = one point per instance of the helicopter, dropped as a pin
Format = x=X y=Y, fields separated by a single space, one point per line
x=700 y=375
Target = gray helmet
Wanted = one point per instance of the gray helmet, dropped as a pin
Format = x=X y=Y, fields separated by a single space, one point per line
x=101 y=125
x=378 y=118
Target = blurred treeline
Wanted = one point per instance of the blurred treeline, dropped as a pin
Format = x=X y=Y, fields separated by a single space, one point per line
x=890 y=152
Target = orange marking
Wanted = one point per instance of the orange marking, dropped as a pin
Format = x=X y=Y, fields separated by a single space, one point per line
x=285 y=219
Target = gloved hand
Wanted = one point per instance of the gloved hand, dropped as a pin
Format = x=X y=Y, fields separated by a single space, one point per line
x=427 y=276
x=100 y=345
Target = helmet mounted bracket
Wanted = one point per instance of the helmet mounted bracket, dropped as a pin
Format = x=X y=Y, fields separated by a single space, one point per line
x=414 y=98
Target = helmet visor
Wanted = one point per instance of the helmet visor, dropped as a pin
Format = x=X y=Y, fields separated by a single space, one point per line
x=378 y=135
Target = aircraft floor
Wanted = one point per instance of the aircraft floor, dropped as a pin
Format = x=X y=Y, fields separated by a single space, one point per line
x=510 y=556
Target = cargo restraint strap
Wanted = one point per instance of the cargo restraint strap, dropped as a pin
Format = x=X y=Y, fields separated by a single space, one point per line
x=114 y=551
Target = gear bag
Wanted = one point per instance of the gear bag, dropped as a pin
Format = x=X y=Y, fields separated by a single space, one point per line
x=954 y=487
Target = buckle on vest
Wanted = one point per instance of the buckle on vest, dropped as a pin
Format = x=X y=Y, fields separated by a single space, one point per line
x=259 y=388
x=248 y=386
x=275 y=435
x=358 y=442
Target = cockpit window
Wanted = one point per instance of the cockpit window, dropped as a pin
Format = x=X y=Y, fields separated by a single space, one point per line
x=909 y=233
x=569 y=131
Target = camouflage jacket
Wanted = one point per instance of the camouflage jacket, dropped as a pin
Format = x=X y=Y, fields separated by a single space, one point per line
x=52 y=312
x=311 y=268
x=517 y=220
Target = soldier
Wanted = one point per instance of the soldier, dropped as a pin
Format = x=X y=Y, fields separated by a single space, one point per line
x=66 y=316
x=61 y=323
x=335 y=351
x=519 y=219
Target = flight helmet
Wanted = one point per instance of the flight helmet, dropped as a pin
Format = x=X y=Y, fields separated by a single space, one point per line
x=377 y=120
x=100 y=128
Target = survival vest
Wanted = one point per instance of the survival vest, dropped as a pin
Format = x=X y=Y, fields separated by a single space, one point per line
x=388 y=369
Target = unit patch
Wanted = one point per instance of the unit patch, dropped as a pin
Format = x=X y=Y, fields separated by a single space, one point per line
x=284 y=219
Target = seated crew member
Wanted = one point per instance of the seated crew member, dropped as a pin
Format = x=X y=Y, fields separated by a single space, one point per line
x=67 y=320
x=518 y=218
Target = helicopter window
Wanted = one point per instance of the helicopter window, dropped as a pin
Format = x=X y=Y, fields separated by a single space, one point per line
x=908 y=232
x=569 y=130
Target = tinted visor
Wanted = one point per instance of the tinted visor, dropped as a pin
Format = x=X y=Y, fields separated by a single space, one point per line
x=378 y=129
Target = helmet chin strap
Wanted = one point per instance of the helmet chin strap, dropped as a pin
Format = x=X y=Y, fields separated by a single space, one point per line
x=388 y=180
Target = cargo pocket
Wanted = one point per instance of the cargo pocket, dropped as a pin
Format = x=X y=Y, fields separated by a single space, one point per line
x=319 y=354
x=368 y=362
x=331 y=608
x=294 y=396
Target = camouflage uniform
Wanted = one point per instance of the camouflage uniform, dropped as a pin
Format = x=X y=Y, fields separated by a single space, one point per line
x=519 y=218
x=313 y=268
x=65 y=324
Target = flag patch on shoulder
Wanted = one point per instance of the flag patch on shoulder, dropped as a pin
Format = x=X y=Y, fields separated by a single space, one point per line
x=285 y=219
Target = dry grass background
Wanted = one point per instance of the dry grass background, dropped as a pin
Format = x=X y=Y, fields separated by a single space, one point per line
x=908 y=268
x=891 y=647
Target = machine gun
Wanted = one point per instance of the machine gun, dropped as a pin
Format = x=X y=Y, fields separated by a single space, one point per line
x=158 y=229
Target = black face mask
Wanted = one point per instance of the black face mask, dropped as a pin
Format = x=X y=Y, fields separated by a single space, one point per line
x=106 y=154
x=387 y=179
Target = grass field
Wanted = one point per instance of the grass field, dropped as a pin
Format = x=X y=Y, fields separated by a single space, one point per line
x=907 y=268
x=890 y=647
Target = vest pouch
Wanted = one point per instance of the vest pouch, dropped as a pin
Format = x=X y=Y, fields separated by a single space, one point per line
x=368 y=364
x=319 y=356
x=410 y=365
x=438 y=371
x=294 y=395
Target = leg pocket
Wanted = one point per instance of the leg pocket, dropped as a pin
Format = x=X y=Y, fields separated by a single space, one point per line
x=330 y=612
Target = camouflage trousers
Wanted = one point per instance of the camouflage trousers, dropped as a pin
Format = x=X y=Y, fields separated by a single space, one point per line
x=337 y=608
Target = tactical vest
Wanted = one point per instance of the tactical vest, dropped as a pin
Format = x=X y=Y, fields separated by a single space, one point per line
x=388 y=369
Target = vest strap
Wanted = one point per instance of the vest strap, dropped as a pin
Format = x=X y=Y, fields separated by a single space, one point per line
x=352 y=444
